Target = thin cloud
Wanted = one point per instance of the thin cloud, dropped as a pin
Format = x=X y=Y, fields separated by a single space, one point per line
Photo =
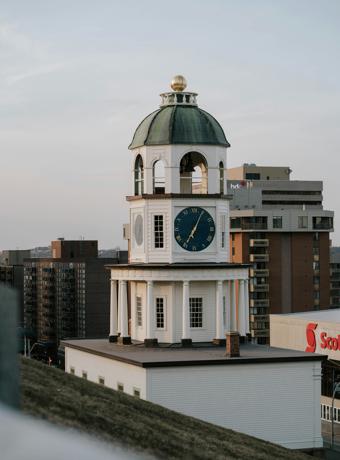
x=13 y=40
x=37 y=72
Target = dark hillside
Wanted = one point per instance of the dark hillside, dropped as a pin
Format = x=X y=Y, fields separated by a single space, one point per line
x=118 y=418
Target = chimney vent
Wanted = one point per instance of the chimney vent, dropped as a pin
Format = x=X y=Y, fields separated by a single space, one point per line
x=232 y=344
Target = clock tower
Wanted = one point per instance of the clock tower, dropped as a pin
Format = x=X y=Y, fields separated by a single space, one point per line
x=182 y=287
x=179 y=211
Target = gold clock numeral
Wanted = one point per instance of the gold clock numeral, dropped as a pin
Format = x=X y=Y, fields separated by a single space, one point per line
x=185 y=245
x=211 y=229
x=194 y=248
x=178 y=238
x=209 y=238
x=194 y=210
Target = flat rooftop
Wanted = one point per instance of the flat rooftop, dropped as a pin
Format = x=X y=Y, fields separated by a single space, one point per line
x=198 y=355
x=330 y=315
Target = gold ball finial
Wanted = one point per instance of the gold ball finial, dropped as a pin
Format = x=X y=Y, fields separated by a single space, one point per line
x=178 y=83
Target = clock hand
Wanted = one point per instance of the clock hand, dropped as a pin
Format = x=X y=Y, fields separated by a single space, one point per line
x=193 y=231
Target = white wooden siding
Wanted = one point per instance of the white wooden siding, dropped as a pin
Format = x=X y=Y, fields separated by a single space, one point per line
x=112 y=371
x=276 y=402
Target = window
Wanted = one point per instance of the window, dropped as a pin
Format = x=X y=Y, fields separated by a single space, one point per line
x=136 y=392
x=139 y=176
x=277 y=222
x=221 y=168
x=193 y=173
x=223 y=230
x=139 y=311
x=316 y=265
x=101 y=380
x=252 y=176
x=322 y=223
x=303 y=221
x=72 y=370
x=160 y=313
x=159 y=231
x=84 y=375
x=224 y=313
x=222 y=239
x=158 y=177
x=196 y=312
x=120 y=386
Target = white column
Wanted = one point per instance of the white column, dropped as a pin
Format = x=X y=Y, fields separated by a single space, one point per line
x=246 y=301
x=233 y=320
x=149 y=310
x=219 y=310
x=119 y=328
x=241 y=309
x=227 y=326
x=124 y=331
x=113 y=309
x=185 y=311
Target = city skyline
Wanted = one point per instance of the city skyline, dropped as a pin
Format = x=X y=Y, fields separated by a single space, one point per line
x=77 y=79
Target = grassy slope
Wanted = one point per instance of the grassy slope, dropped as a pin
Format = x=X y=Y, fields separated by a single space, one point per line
x=116 y=417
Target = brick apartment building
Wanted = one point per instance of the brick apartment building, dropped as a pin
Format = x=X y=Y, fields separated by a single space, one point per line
x=67 y=295
x=280 y=227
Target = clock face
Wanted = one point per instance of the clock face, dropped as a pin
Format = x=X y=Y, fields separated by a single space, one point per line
x=194 y=229
x=139 y=230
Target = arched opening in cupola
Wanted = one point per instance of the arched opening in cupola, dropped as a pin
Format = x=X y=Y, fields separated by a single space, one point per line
x=221 y=169
x=139 y=175
x=193 y=173
x=158 y=175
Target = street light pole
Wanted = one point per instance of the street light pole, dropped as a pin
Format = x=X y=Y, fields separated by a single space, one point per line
x=336 y=389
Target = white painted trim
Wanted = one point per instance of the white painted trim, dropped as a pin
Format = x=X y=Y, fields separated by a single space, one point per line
x=180 y=274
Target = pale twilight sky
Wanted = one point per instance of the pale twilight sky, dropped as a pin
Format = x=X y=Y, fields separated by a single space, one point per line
x=76 y=78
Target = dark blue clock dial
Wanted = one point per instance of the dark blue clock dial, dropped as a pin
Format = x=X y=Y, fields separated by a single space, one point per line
x=194 y=229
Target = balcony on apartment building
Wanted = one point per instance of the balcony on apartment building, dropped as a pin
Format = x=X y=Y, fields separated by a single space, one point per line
x=259 y=243
x=259 y=303
x=259 y=257
x=323 y=223
x=256 y=272
x=259 y=287
x=249 y=223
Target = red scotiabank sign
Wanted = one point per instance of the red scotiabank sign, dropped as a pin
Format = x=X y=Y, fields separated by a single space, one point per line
x=326 y=341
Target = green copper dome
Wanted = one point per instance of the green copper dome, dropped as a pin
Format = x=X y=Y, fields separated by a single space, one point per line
x=179 y=124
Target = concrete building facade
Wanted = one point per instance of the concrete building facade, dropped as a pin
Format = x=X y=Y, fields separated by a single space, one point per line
x=280 y=227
